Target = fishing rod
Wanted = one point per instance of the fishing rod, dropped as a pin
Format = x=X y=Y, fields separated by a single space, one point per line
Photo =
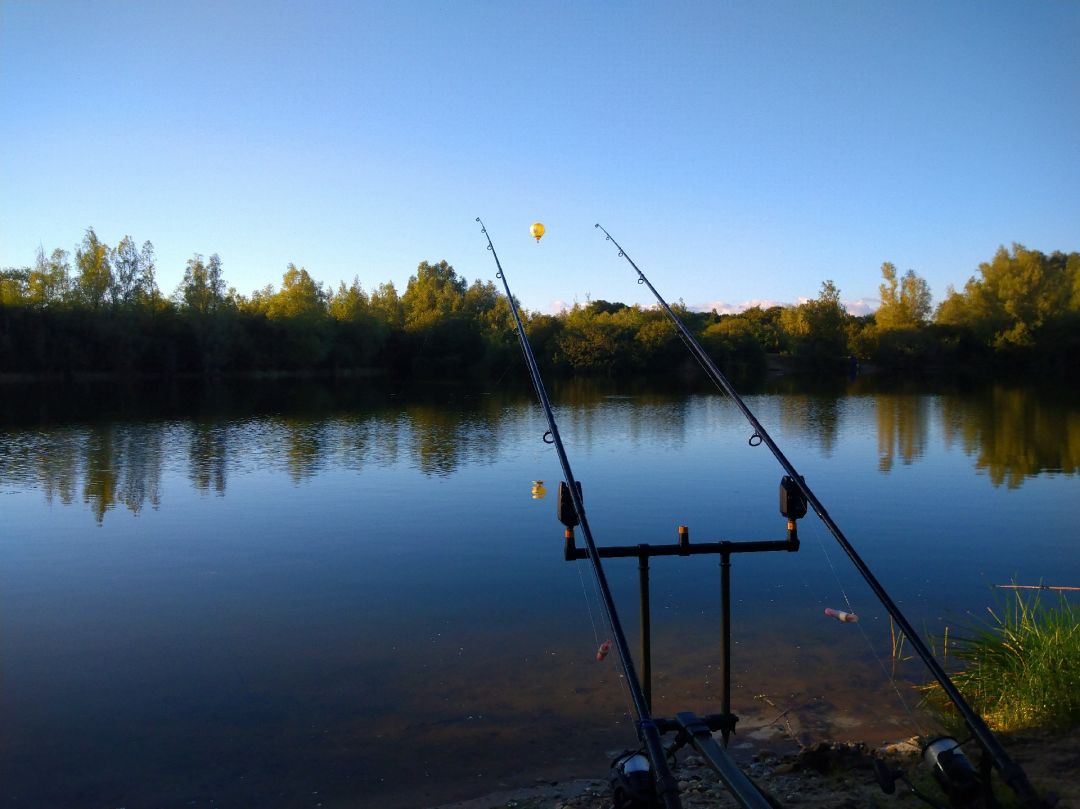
x=1010 y=771
x=648 y=732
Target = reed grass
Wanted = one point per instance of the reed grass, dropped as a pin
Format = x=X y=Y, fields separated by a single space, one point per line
x=898 y=639
x=1022 y=667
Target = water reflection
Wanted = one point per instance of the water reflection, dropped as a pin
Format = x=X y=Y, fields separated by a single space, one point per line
x=367 y=440
x=57 y=472
x=442 y=439
x=138 y=449
x=817 y=416
x=304 y=447
x=207 y=456
x=1012 y=434
x=108 y=465
x=903 y=423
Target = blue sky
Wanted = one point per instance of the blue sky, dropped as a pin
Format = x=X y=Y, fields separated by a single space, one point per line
x=738 y=151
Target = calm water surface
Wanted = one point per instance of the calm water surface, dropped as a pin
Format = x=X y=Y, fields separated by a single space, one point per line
x=296 y=595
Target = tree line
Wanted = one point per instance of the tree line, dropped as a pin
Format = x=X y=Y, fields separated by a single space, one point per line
x=99 y=310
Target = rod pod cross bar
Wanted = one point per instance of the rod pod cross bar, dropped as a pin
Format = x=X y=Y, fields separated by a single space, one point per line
x=666 y=787
x=1011 y=772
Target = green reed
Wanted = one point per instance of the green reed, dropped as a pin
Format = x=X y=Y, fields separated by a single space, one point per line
x=1022 y=667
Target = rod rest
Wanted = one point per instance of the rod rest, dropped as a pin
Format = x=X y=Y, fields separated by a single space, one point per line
x=571 y=552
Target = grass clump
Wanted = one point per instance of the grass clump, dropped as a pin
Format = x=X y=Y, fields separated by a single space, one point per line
x=1022 y=668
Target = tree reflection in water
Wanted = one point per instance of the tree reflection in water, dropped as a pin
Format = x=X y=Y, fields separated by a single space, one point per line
x=1012 y=433
x=903 y=422
x=208 y=449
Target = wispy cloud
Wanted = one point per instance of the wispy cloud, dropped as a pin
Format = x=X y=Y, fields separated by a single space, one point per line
x=725 y=308
x=862 y=306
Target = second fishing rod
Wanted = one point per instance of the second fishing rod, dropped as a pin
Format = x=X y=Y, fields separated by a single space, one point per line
x=1012 y=773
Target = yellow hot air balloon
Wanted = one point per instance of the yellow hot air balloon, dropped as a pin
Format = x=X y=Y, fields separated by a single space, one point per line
x=538 y=490
x=537 y=230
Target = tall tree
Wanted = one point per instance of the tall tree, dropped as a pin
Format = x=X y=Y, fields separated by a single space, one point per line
x=435 y=293
x=1016 y=295
x=50 y=279
x=300 y=296
x=905 y=302
x=386 y=305
x=203 y=288
x=300 y=308
x=94 y=266
x=349 y=303
x=133 y=273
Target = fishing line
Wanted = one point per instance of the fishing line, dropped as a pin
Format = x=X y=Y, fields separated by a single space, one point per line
x=1012 y=773
x=613 y=663
x=588 y=605
x=890 y=676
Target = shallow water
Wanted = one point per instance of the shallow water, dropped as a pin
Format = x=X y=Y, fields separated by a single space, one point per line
x=295 y=594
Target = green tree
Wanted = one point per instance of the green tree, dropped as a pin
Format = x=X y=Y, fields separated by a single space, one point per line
x=203 y=288
x=733 y=344
x=386 y=305
x=596 y=339
x=655 y=339
x=766 y=327
x=50 y=279
x=303 y=323
x=258 y=303
x=349 y=303
x=543 y=332
x=359 y=334
x=133 y=274
x=1018 y=294
x=905 y=302
x=818 y=328
x=94 y=279
x=602 y=307
x=300 y=296
x=483 y=305
x=435 y=293
x=488 y=314
x=953 y=309
x=201 y=298
x=14 y=284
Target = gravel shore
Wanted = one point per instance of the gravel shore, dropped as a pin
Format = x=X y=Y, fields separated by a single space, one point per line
x=827 y=775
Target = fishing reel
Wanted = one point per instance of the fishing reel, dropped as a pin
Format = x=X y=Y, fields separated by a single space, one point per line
x=631 y=782
x=951 y=769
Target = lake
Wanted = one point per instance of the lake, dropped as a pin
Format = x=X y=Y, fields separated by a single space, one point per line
x=287 y=594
